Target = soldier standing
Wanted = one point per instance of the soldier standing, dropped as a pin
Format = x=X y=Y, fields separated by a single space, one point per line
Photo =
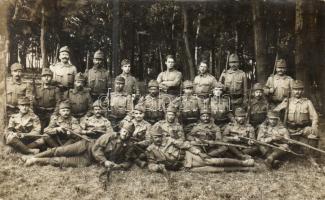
x=272 y=132
x=204 y=82
x=46 y=97
x=121 y=103
x=171 y=78
x=16 y=89
x=235 y=81
x=79 y=97
x=23 y=131
x=278 y=85
x=131 y=86
x=98 y=77
x=155 y=104
x=301 y=118
x=258 y=106
x=63 y=71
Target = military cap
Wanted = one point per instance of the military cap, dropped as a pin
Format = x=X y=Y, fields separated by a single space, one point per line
x=240 y=112
x=233 y=58
x=129 y=126
x=281 y=63
x=24 y=101
x=187 y=84
x=205 y=111
x=153 y=83
x=157 y=132
x=79 y=77
x=120 y=79
x=46 y=72
x=219 y=85
x=140 y=108
x=64 y=105
x=172 y=109
x=97 y=103
x=273 y=114
x=297 y=84
x=64 y=49
x=99 y=54
x=125 y=62
x=257 y=86
x=16 y=66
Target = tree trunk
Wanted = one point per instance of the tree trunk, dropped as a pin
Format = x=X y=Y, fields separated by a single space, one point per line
x=259 y=41
x=43 y=40
x=115 y=38
x=189 y=59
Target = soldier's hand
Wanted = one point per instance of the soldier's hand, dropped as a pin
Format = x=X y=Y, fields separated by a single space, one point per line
x=268 y=140
x=109 y=164
x=236 y=138
x=250 y=142
x=271 y=90
x=60 y=129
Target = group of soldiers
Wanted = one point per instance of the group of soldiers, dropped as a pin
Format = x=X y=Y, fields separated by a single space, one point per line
x=75 y=119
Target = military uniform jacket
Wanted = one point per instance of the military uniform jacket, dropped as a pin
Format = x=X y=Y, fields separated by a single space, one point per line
x=188 y=106
x=172 y=79
x=80 y=101
x=245 y=130
x=259 y=109
x=235 y=81
x=121 y=104
x=301 y=111
x=28 y=124
x=220 y=110
x=142 y=130
x=93 y=123
x=98 y=80
x=173 y=130
x=46 y=97
x=131 y=84
x=204 y=83
x=64 y=74
x=281 y=86
x=111 y=147
x=16 y=90
x=203 y=131
x=155 y=107
x=264 y=132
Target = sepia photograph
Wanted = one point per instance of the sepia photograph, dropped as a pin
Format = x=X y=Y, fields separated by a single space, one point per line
x=162 y=99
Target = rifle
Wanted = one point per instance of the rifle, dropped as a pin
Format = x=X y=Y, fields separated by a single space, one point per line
x=271 y=146
x=214 y=143
x=77 y=134
x=87 y=61
x=109 y=101
x=104 y=176
x=286 y=111
x=248 y=115
x=304 y=145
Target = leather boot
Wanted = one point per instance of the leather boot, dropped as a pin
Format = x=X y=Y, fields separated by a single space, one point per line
x=19 y=146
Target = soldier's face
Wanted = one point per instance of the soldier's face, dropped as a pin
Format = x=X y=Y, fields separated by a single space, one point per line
x=65 y=112
x=203 y=68
x=64 y=57
x=217 y=92
x=297 y=92
x=153 y=91
x=273 y=121
x=46 y=79
x=281 y=70
x=119 y=86
x=23 y=108
x=79 y=84
x=98 y=61
x=16 y=73
x=124 y=134
x=97 y=111
x=258 y=94
x=205 y=118
x=170 y=63
x=240 y=119
x=138 y=115
x=188 y=90
x=157 y=140
x=126 y=68
x=170 y=117
x=234 y=65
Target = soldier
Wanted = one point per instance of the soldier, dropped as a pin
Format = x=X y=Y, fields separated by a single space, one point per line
x=98 y=79
x=23 y=131
x=63 y=71
x=79 y=97
x=154 y=103
x=235 y=81
x=272 y=132
x=278 y=85
x=16 y=89
x=301 y=118
x=62 y=126
x=110 y=150
x=169 y=126
x=235 y=131
x=220 y=106
x=131 y=86
x=188 y=106
x=258 y=106
x=96 y=125
x=171 y=77
x=204 y=82
x=120 y=102
x=46 y=97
